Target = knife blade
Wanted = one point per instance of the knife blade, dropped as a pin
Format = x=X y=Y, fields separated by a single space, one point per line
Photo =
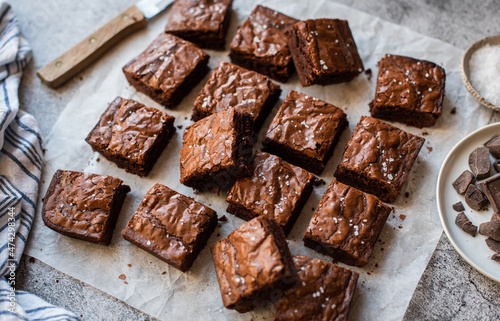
x=70 y=63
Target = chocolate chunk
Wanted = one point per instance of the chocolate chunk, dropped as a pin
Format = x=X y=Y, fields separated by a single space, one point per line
x=496 y=166
x=463 y=181
x=493 y=245
x=496 y=257
x=493 y=146
x=491 y=228
x=475 y=198
x=479 y=162
x=459 y=207
x=491 y=188
x=463 y=222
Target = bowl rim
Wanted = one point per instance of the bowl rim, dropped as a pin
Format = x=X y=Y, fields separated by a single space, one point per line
x=464 y=68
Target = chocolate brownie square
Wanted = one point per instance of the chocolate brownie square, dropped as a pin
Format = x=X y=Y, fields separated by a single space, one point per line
x=84 y=206
x=167 y=70
x=233 y=86
x=346 y=224
x=275 y=189
x=253 y=264
x=203 y=22
x=171 y=226
x=324 y=292
x=378 y=158
x=132 y=135
x=409 y=91
x=324 y=52
x=260 y=43
x=305 y=131
x=217 y=150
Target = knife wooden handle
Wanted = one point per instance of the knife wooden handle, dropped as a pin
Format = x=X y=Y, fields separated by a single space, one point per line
x=83 y=54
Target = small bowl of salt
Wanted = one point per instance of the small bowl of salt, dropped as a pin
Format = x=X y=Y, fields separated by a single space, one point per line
x=481 y=71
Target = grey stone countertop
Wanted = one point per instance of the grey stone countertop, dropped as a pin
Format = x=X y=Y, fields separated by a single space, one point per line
x=449 y=288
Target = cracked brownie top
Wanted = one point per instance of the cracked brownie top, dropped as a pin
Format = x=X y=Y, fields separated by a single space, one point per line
x=169 y=223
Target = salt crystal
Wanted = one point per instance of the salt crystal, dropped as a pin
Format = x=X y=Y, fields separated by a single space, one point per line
x=484 y=67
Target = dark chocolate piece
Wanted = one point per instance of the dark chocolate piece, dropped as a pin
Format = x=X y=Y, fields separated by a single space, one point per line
x=496 y=257
x=260 y=43
x=409 y=91
x=83 y=206
x=231 y=86
x=171 y=226
x=346 y=224
x=493 y=145
x=275 y=189
x=253 y=264
x=305 y=131
x=203 y=22
x=324 y=292
x=493 y=244
x=132 y=135
x=479 y=163
x=491 y=188
x=378 y=158
x=217 y=150
x=491 y=228
x=459 y=207
x=463 y=181
x=463 y=222
x=475 y=198
x=167 y=70
x=496 y=165
x=324 y=52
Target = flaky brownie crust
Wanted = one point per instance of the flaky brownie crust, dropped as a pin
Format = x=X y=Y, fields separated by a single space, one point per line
x=253 y=264
x=131 y=135
x=409 y=91
x=216 y=150
x=275 y=189
x=378 y=158
x=83 y=206
x=324 y=292
x=171 y=226
x=346 y=224
x=305 y=131
x=203 y=22
x=231 y=86
x=261 y=44
x=167 y=70
x=324 y=51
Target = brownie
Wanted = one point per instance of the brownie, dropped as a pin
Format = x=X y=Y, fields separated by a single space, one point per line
x=217 y=150
x=203 y=22
x=84 y=206
x=378 y=158
x=131 y=135
x=305 y=131
x=324 y=52
x=167 y=70
x=253 y=264
x=233 y=86
x=346 y=224
x=409 y=91
x=324 y=292
x=260 y=43
x=171 y=226
x=275 y=189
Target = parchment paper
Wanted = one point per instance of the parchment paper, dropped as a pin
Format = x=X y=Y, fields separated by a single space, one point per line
x=386 y=284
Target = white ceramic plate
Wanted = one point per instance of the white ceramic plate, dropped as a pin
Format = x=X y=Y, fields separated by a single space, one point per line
x=473 y=249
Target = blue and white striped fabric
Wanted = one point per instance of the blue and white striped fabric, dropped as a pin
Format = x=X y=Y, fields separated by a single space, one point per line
x=20 y=170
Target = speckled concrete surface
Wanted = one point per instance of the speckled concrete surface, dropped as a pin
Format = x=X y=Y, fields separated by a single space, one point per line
x=449 y=289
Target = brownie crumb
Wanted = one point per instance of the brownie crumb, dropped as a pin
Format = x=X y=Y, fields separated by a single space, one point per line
x=453 y=111
x=98 y=159
x=185 y=118
x=312 y=208
x=32 y=260
x=402 y=217
x=122 y=276
x=44 y=150
x=125 y=282
x=368 y=73
x=400 y=226
x=164 y=272
x=57 y=281
x=179 y=126
x=429 y=148
x=319 y=182
x=407 y=194
x=425 y=133
x=376 y=265
x=218 y=234
x=129 y=265
x=223 y=218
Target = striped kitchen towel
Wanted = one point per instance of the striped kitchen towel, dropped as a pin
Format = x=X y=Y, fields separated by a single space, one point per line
x=20 y=170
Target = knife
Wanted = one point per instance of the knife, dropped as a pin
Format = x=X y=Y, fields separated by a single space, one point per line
x=94 y=46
